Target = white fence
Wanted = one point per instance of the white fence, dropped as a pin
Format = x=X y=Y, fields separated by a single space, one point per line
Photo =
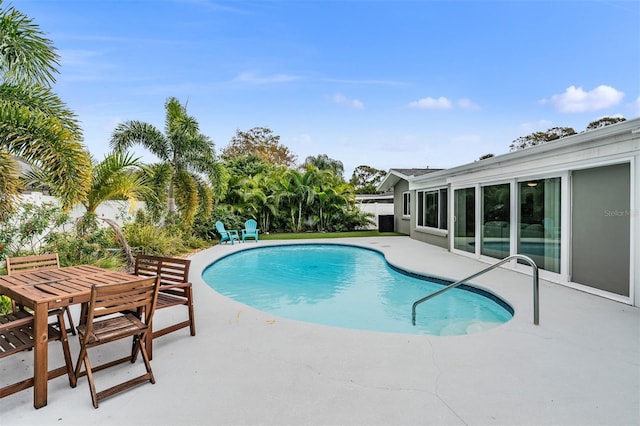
x=118 y=211
x=378 y=209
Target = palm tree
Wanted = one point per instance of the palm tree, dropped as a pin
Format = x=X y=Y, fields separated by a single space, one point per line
x=296 y=192
x=35 y=125
x=117 y=177
x=184 y=148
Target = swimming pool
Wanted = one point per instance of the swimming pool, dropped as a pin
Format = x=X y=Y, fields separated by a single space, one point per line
x=350 y=287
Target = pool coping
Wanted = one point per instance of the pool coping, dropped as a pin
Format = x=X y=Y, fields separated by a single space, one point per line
x=580 y=365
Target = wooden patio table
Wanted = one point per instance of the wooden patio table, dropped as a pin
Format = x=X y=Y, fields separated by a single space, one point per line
x=54 y=288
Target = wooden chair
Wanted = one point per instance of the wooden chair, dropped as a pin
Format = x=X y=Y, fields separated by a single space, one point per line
x=17 y=335
x=16 y=265
x=175 y=288
x=115 y=312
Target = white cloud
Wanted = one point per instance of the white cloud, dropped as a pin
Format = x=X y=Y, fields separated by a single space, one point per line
x=341 y=99
x=444 y=103
x=431 y=103
x=575 y=99
x=468 y=104
x=253 y=78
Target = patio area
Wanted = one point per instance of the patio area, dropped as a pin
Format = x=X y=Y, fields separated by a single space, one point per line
x=580 y=366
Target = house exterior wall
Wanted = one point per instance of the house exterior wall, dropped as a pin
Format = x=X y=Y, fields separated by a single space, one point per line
x=553 y=164
x=401 y=224
x=425 y=237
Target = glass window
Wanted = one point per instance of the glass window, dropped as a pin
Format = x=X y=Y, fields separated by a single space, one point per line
x=539 y=217
x=496 y=218
x=432 y=209
x=444 y=209
x=406 y=204
x=420 y=208
x=464 y=219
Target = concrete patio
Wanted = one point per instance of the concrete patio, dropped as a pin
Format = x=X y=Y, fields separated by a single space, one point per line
x=580 y=366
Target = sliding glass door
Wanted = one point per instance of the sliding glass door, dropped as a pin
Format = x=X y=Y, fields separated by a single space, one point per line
x=496 y=220
x=539 y=222
x=465 y=219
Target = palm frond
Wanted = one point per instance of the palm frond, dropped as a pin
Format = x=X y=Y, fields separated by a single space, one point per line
x=115 y=178
x=25 y=54
x=43 y=100
x=9 y=185
x=45 y=141
x=131 y=133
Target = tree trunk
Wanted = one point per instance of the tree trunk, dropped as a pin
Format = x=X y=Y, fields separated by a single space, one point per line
x=123 y=241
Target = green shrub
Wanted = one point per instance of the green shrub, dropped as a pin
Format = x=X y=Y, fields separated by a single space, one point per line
x=90 y=249
x=5 y=305
x=149 y=239
x=25 y=232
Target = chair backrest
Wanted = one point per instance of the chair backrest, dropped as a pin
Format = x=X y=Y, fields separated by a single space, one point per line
x=220 y=228
x=16 y=265
x=135 y=296
x=250 y=226
x=170 y=270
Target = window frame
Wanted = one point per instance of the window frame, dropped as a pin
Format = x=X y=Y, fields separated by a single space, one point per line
x=423 y=196
x=406 y=204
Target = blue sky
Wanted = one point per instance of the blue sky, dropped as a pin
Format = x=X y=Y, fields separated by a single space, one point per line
x=389 y=84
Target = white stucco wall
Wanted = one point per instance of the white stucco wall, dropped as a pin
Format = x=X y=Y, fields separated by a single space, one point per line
x=118 y=211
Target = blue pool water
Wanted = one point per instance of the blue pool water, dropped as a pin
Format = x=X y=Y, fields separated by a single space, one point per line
x=349 y=287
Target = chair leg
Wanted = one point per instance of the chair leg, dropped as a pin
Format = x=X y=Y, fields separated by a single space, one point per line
x=134 y=349
x=192 y=319
x=83 y=358
x=145 y=358
x=72 y=327
x=65 y=350
x=92 y=386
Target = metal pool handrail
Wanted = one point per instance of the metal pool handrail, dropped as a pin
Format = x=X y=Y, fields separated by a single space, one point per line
x=536 y=286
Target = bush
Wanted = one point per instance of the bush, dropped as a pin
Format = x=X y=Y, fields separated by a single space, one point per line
x=90 y=249
x=26 y=231
x=148 y=239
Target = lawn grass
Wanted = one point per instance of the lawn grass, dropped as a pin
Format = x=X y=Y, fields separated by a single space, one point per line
x=311 y=235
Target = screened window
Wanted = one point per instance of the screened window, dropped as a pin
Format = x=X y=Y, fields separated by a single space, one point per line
x=406 y=204
x=432 y=208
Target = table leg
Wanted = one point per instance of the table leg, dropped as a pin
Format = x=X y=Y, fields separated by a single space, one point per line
x=40 y=355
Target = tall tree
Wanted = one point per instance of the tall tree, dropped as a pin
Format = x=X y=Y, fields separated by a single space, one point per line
x=604 y=121
x=323 y=162
x=365 y=179
x=262 y=142
x=331 y=195
x=184 y=148
x=296 y=192
x=35 y=125
x=538 y=138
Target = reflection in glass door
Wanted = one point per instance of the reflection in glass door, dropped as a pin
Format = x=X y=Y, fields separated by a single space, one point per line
x=539 y=230
x=496 y=220
x=465 y=219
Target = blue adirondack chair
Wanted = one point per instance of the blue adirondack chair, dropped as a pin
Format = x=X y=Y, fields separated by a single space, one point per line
x=225 y=235
x=250 y=230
